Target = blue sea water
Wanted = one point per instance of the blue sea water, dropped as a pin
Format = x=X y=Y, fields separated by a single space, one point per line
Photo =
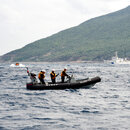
x=105 y=106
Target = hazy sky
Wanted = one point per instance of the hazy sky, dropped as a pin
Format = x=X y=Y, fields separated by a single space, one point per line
x=25 y=21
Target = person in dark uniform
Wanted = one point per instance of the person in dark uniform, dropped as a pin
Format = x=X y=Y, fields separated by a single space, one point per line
x=53 y=76
x=41 y=76
x=63 y=74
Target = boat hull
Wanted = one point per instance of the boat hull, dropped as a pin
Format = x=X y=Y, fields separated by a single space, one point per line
x=85 y=83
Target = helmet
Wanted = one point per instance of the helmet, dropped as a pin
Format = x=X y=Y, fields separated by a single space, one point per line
x=53 y=69
x=65 y=68
x=43 y=71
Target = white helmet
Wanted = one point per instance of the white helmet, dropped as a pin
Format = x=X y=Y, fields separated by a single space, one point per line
x=65 y=68
x=53 y=69
x=43 y=70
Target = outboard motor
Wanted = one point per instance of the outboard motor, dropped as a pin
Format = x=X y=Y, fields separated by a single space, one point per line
x=71 y=79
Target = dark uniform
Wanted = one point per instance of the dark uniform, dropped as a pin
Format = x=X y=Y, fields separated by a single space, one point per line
x=63 y=74
x=53 y=77
x=41 y=77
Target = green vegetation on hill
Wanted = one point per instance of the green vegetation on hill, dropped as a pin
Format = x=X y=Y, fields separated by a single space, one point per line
x=96 y=39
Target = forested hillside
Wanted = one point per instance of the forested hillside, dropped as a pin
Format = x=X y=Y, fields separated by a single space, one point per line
x=96 y=39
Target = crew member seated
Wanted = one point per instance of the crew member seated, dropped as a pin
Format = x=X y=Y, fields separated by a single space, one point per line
x=32 y=77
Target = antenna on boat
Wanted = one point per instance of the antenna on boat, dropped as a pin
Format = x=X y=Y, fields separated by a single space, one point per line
x=116 y=54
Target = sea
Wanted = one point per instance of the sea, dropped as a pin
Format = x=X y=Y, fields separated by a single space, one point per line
x=105 y=106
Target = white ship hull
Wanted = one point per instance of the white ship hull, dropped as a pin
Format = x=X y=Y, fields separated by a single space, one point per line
x=117 y=60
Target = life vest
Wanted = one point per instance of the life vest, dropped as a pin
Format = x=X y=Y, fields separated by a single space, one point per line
x=63 y=73
x=53 y=75
x=41 y=75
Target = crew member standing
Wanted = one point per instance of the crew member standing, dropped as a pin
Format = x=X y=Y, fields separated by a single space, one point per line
x=53 y=76
x=63 y=74
x=41 y=76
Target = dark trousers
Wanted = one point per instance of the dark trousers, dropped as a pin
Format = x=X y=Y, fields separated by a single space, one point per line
x=42 y=81
x=62 y=79
x=53 y=81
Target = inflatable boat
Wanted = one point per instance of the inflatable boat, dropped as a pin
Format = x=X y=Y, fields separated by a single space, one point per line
x=76 y=84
